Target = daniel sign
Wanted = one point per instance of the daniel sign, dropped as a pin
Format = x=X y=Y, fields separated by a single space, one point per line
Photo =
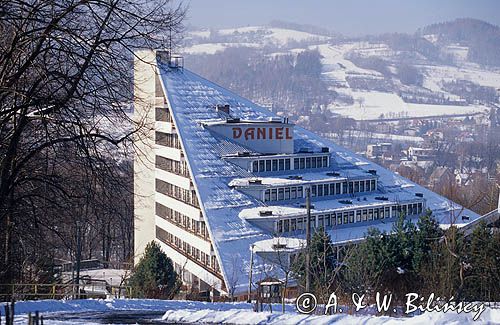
x=264 y=137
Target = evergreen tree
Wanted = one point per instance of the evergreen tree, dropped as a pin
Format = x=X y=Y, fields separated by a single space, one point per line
x=154 y=276
x=483 y=277
x=323 y=264
x=427 y=236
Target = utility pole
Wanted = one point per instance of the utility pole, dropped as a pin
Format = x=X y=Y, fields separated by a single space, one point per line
x=249 y=300
x=308 y=239
x=78 y=258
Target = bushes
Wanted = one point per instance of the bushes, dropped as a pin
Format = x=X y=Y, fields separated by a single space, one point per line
x=154 y=276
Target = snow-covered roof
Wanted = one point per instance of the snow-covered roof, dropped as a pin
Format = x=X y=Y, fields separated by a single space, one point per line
x=191 y=99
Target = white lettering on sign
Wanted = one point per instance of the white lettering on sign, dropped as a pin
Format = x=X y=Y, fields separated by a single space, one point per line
x=252 y=133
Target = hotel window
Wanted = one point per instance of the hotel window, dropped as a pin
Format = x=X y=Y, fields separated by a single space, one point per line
x=367 y=185
x=287 y=164
x=320 y=190
x=255 y=166
x=295 y=163
x=387 y=212
x=351 y=216
x=382 y=213
x=320 y=162
x=327 y=220
x=293 y=224
x=375 y=214
x=262 y=165
x=370 y=214
x=373 y=187
x=337 y=188
x=345 y=218
x=334 y=219
x=286 y=225
x=351 y=187
x=280 y=226
x=313 y=162
x=300 y=192
x=299 y=224
x=358 y=216
x=275 y=165
x=268 y=165
x=404 y=210
x=365 y=215
x=313 y=190
x=280 y=194
x=308 y=162
x=362 y=186
x=325 y=161
x=274 y=194
x=356 y=187
x=281 y=164
x=344 y=187
x=325 y=189
x=332 y=189
x=395 y=211
x=420 y=208
x=321 y=220
x=287 y=193
x=302 y=163
x=267 y=195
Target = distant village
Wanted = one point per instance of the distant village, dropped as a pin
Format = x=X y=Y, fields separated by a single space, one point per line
x=450 y=155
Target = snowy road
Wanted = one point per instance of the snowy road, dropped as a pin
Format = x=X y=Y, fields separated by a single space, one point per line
x=144 y=311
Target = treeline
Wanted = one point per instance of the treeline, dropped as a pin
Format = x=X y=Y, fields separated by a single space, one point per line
x=291 y=82
x=482 y=38
x=420 y=258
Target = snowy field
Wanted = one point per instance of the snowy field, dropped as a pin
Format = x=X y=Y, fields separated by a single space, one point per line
x=90 y=311
x=369 y=105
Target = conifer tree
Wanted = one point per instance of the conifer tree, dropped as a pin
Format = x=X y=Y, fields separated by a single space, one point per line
x=154 y=276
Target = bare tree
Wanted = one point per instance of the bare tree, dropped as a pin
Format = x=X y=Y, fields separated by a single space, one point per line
x=65 y=85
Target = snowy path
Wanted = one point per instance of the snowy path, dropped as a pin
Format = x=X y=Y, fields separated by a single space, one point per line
x=143 y=311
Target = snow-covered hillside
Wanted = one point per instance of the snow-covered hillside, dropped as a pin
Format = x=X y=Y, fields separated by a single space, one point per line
x=369 y=72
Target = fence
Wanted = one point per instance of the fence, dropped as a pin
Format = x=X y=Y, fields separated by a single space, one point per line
x=33 y=291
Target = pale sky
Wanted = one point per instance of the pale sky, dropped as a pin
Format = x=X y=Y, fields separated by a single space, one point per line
x=351 y=18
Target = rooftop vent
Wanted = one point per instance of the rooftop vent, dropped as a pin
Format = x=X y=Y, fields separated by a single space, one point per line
x=332 y=174
x=305 y=207
x=279 y=246
x=382 y=198
x=223 y=108
x=305 y=150
x=243 y=154
x=465 y=218
x=275 y=119
x=265 y=213
x=233 y=120
x=325 y=149
x=372 y=171
x=298 y=177
x=419 y=194
x=345 y=201
x=255 y=182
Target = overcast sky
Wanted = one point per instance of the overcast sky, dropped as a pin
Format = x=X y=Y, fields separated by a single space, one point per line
x=355 y=17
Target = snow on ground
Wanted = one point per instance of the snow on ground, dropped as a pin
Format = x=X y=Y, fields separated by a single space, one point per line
x=439 y=73
x=371 y=104
x=336 y=68
x=278 y=36
x=194 y=312
x=212 y=48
